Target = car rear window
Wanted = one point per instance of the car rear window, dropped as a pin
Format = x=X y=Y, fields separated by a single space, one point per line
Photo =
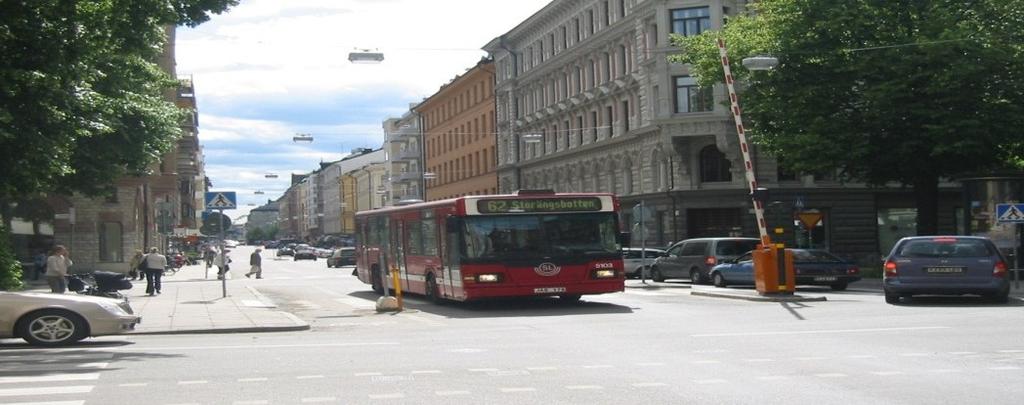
x=735 y=247
x=347 y=253
x=815 y=256
x=945 y=247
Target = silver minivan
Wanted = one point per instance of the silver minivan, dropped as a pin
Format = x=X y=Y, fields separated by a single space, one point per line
x=694 y=258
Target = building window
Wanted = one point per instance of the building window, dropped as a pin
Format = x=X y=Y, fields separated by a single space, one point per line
x=690 y=21
x=579 y=130
x=609 y=119
x=593 y=126
x=622 y=8
x=590 y=21
x=607 y=13
x=692 y=98
x=714 y=167
x=110 y=242
x=625 y=116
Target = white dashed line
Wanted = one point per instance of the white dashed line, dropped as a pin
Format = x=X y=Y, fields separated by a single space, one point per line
x=426 y=372
x=1011 y=351
x=962 y=353
x=547 y=368
x=1004 y=368
x=387 y=396
x=649 y=385
x=584 y=387
x=710 y=381
x=308 y=377
x=757 y=360
x=368 y=374
x=450 y=393
x=133 y=385
x=516 y=389
x=252 y=379
x=49 y=378
x=482 y=370
x=862 y=356
x=884 y=373
x=74 y=389
x=831 y=375
x=318 y=399
x=599 y=366
x=913 y=354
x=192 y=382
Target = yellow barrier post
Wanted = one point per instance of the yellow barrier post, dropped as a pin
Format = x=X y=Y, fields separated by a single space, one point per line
x=398 y=287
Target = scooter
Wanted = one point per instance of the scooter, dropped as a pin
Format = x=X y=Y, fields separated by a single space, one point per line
x=100 y=284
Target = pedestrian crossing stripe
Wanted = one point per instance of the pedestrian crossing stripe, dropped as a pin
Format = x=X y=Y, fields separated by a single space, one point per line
x=1011 y=213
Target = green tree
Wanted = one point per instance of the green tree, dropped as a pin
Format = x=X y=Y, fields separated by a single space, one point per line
x=254 y=234
x=880 y=91
x=83 y=96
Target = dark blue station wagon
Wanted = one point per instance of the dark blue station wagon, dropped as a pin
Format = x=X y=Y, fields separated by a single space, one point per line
x=945 y=265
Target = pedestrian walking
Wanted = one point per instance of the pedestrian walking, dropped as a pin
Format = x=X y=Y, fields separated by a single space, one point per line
x=256 y=261
x=222 y=261
x=39 y=264
x=133 y=267
x=155 y=264
x=57 y=269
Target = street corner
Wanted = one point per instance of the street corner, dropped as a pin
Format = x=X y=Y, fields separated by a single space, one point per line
x=754 y=296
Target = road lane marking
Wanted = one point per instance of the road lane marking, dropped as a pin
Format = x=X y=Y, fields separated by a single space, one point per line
x=71 y=389
x=584 y=387
x=886 y=373
x=546 y=368
x=64 y=358
x=757 y=360
x=255 y=379
x=862 y=356
x=1011 y=351
x=599 y=366
x=133 y=385
x=945 y=371
x=309 y=377
x=913 y=354
x=450 y=393
x=193 y=382
x=396 y=395
x=318 y=399
x=482 y=370
x=518 y=389
x=55 y=367
x=963 y=353
x=49 y=378
x=48 y=403
x=811 y=358
x=426 y=372
x=1004 y=368
x=649 y=385
x=831 y=375
x=814 y=332
x=258 y=347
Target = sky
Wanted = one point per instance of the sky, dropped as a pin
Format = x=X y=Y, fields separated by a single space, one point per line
x=270 y=69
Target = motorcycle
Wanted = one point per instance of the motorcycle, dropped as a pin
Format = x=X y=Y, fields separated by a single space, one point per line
x=100 y=284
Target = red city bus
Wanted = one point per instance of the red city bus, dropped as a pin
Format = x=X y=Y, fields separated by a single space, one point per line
x=532 y=243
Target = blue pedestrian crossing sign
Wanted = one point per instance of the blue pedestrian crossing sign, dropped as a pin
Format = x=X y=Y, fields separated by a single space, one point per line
x=221 y=200
x=1010 y=213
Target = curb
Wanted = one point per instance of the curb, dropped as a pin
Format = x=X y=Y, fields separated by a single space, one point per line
x=247 y=329
x=759 y=298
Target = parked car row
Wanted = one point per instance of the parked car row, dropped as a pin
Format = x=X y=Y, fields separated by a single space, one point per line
x=921 y=265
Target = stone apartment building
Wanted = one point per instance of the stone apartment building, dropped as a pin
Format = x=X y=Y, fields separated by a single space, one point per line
x=586 y=101
x=103 y=233
x=458 y=135
x=404 y=140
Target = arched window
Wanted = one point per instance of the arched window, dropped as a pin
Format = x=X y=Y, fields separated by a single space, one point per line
x=713 y=165
x=627 y=177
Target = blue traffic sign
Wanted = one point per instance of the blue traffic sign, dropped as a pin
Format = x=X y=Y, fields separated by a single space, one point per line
x=221 y=200
x=1010 y=213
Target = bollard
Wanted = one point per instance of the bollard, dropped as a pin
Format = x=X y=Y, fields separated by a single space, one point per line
x=398 y=288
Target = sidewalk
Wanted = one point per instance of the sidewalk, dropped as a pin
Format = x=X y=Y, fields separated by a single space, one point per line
x=189 y=303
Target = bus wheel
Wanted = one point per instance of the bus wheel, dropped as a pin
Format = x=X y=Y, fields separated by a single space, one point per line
x=431 y=292
x=378 y=286
x=570 y=298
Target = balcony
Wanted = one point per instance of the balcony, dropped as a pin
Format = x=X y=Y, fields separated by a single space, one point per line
x=408 y=154
x=405 y=177
x=404 y=133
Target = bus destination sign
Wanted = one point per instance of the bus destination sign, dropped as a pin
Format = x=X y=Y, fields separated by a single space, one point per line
x=513 y=205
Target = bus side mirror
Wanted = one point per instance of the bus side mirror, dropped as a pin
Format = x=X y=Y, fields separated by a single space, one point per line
x=625 y=238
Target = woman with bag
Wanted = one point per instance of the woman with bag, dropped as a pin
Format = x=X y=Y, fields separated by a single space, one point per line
x=134 y=270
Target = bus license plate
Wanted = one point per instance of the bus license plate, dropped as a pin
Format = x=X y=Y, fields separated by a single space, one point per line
x=548 y=290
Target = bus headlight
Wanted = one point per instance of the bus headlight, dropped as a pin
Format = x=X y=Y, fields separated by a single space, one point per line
x=488 y=278
x=604 y=273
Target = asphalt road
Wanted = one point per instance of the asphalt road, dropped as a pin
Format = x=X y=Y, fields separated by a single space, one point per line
x=641 y=346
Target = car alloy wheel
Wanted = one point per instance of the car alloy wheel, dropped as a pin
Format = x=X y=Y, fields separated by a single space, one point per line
x=53 y=327
x=719 y=280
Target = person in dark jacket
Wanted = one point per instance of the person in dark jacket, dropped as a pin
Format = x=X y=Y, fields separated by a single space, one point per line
x=256 y=261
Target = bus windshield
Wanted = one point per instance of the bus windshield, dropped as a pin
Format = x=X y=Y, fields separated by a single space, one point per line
x=492 y=237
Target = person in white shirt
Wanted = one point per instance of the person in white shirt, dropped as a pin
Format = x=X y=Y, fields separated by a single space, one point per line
x=155 y=265
x=222 y=261
x=57 y=269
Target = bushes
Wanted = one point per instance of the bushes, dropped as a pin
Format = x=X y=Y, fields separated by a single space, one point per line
x=10 y=268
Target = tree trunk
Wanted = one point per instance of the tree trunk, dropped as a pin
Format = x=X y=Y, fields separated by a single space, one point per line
x=926 y=197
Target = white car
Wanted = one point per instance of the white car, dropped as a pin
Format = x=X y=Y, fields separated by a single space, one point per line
x=45 y=319
x=632 y=263
x=230 y=243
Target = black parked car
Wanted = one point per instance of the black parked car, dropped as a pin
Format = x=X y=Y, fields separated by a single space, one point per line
x=345 y=256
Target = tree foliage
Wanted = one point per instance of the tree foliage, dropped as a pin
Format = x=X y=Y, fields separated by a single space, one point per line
x=83 y=100
x=907 y=91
